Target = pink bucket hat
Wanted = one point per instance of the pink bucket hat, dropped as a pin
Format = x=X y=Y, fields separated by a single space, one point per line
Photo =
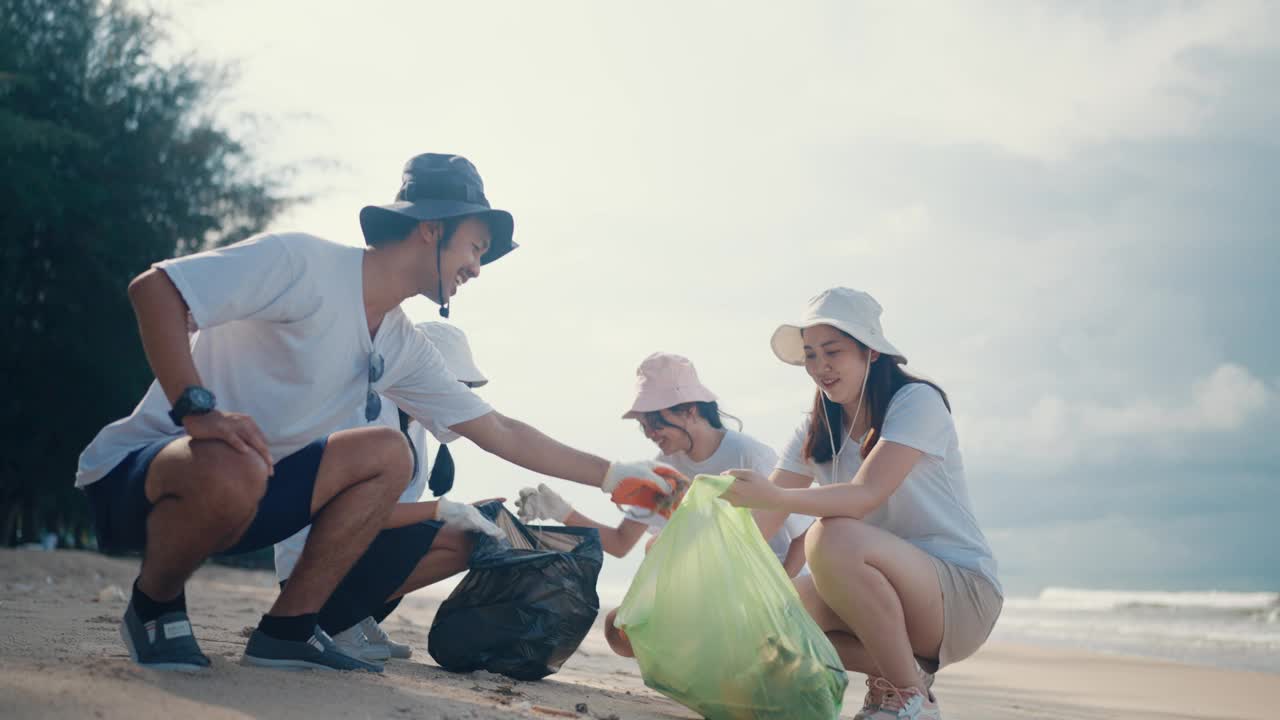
x=664 y=380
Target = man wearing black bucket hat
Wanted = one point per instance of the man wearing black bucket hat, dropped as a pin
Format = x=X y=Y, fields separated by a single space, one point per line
x=439 y=188
x=244 y=438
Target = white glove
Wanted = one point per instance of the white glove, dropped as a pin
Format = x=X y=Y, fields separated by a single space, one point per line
x=642 y=470
x=466 y=517
x=543 y=503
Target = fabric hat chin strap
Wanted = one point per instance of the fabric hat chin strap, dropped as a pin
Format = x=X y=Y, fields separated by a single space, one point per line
x=444 y=302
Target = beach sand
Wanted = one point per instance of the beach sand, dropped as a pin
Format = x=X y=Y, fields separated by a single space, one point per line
x=61 y=657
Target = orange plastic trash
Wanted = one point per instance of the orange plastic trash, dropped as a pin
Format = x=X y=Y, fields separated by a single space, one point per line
x=640 y=493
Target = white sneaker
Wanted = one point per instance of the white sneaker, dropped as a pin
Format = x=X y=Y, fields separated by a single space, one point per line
x=353 y=642
x=876 y=690
x=377 y=636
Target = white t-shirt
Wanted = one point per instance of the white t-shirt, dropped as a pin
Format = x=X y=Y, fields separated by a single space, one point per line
x=418 y=485
x=283 y=337
x=931 y=508
x=736 y=451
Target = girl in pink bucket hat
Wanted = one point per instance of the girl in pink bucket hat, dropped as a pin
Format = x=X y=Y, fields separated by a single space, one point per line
x=683 y=418
x=902 y=576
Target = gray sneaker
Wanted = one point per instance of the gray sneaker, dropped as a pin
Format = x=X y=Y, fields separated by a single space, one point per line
x=165 y=643
x=319 y=652
x=378 y=636
x=353 y=642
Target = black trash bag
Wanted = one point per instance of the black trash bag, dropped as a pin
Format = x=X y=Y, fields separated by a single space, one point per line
x=526 y=603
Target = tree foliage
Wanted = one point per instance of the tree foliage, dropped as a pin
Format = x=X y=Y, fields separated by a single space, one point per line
x=110 y=159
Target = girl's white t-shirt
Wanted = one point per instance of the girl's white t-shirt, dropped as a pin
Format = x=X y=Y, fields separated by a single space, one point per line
x=736 y=450
x=931 y=509
x=282 y=336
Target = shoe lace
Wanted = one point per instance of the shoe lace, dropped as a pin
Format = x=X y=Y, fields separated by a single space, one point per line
x=875 y=695
x=905 y=702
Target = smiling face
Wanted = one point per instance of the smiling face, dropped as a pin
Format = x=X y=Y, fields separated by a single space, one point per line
x=836 y=362
x=459 y=257
x=668 y=430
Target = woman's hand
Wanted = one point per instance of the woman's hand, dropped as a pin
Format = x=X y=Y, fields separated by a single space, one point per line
x=752 y=490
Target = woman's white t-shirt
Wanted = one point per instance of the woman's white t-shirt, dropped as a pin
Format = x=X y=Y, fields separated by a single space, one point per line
x=931 y=509
x=736 y=450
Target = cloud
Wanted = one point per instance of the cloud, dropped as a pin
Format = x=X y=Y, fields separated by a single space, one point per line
x=1057 y=431
x=1038 y=79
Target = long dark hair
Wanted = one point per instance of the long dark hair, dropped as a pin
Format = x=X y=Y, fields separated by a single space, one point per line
x=709 y=411
x=885 y=378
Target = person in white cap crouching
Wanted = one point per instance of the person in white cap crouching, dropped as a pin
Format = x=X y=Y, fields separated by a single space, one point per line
x=414 y=550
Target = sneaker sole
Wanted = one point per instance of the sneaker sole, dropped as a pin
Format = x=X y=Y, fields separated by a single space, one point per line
x=284 y=664
x=369 y=655
x=133 y=655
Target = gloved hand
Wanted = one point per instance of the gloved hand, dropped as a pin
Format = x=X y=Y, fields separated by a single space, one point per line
x=643 y=472
x=648 y=485
x=543 y=503
x=466 y=517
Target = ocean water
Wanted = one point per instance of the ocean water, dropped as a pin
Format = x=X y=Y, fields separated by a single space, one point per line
x=1237 y=630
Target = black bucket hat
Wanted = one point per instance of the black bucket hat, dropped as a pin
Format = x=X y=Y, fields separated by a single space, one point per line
x=437 y=187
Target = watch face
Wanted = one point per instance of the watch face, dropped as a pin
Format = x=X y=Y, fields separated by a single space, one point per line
x=201 y=399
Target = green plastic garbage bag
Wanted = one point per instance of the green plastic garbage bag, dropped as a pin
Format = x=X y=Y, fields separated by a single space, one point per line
x=716 y=624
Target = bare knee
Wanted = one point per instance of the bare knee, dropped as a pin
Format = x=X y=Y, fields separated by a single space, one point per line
x=832 y=544
x=456 y=543
x=229 y=483
x=617 y=639
x=389 y=448
x=465 y=546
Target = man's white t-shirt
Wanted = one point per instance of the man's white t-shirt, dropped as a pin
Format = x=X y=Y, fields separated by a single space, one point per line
x=736 y=450
x=931 y=508
x=282 y=337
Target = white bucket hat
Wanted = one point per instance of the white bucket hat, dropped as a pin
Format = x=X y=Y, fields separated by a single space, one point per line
x=665 y=380
x=452 y=344
x=852 y=311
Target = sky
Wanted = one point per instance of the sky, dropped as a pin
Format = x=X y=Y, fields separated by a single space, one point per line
x=1069 y=212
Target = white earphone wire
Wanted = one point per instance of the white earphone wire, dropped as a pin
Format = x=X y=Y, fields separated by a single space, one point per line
x=835 y=455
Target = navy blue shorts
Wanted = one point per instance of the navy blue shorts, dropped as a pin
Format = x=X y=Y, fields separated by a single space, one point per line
x=120 y=506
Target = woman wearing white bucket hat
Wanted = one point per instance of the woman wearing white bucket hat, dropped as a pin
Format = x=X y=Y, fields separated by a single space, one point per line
x=902 y=574
x=683 y=418
x=413 y=550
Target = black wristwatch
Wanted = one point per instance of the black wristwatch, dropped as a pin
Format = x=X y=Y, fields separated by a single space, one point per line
x=195 y=400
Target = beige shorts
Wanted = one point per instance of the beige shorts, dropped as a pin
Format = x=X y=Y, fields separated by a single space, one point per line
x=970 y=606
